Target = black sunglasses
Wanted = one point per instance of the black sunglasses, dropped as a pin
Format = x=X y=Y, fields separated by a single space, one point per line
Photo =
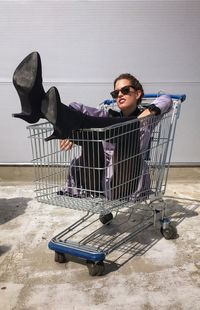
x=124 y=90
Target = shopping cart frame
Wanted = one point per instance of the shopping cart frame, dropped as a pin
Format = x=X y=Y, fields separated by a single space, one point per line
x=94 y=256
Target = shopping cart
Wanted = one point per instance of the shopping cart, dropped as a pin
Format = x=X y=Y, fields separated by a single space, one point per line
x=112 y=173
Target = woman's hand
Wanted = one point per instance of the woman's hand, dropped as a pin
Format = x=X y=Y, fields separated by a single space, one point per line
x=146 y=112
x=65 y=145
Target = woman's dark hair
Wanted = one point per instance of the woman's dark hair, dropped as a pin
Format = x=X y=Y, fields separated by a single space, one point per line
x=133 y=81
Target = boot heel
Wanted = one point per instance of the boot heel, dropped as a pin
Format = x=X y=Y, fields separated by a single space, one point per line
x=25 y=117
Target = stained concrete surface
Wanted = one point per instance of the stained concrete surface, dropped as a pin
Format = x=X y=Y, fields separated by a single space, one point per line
x=147 y=272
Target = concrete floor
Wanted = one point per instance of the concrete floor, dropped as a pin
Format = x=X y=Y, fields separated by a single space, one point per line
x=147 y=272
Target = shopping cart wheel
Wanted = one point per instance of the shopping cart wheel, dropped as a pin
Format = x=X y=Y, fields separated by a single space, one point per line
x=95 y=269
x=105 y=219
x=60 y=258
x=169 y=232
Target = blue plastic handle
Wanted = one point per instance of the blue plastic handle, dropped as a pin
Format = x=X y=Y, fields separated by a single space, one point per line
x=146 y=96
x=108 y=101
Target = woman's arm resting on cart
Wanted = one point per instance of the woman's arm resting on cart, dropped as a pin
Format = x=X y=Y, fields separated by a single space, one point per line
x=159 y=106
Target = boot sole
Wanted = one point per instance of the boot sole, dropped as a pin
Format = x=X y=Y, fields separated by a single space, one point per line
x=25 y=75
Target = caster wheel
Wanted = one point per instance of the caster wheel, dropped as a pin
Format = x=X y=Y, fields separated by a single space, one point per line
x=60 y=258
x=170 y=232
x=105 y=219
x=96 y=269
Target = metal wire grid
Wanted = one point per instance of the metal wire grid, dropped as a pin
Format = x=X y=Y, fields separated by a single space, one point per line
x=95 y=193
x=125 y=225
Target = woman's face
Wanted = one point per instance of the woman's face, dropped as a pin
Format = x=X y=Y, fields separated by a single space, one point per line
x=128 y=102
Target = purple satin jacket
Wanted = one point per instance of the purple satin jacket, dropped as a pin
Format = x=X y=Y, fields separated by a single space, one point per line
x=164 y=103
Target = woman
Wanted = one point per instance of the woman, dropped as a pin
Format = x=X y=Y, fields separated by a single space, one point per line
x=128 y=93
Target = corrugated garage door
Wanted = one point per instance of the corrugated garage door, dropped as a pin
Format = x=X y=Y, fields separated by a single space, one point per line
x=84 y=45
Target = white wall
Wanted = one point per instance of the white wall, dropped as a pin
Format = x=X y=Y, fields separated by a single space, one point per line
x=84 y=45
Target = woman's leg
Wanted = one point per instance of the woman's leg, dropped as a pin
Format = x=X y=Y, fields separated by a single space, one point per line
x=87 y=170
x=35 y=103
x=126 y=162
x=65 y=119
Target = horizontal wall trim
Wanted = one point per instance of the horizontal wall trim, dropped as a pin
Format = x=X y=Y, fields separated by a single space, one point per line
x=63 y=82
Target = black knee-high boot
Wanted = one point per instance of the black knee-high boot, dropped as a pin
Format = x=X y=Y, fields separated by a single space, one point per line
x=27 y=80
x=65 y=119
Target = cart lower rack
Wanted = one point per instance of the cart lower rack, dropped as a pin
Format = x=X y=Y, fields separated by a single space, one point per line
x=119 y=170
